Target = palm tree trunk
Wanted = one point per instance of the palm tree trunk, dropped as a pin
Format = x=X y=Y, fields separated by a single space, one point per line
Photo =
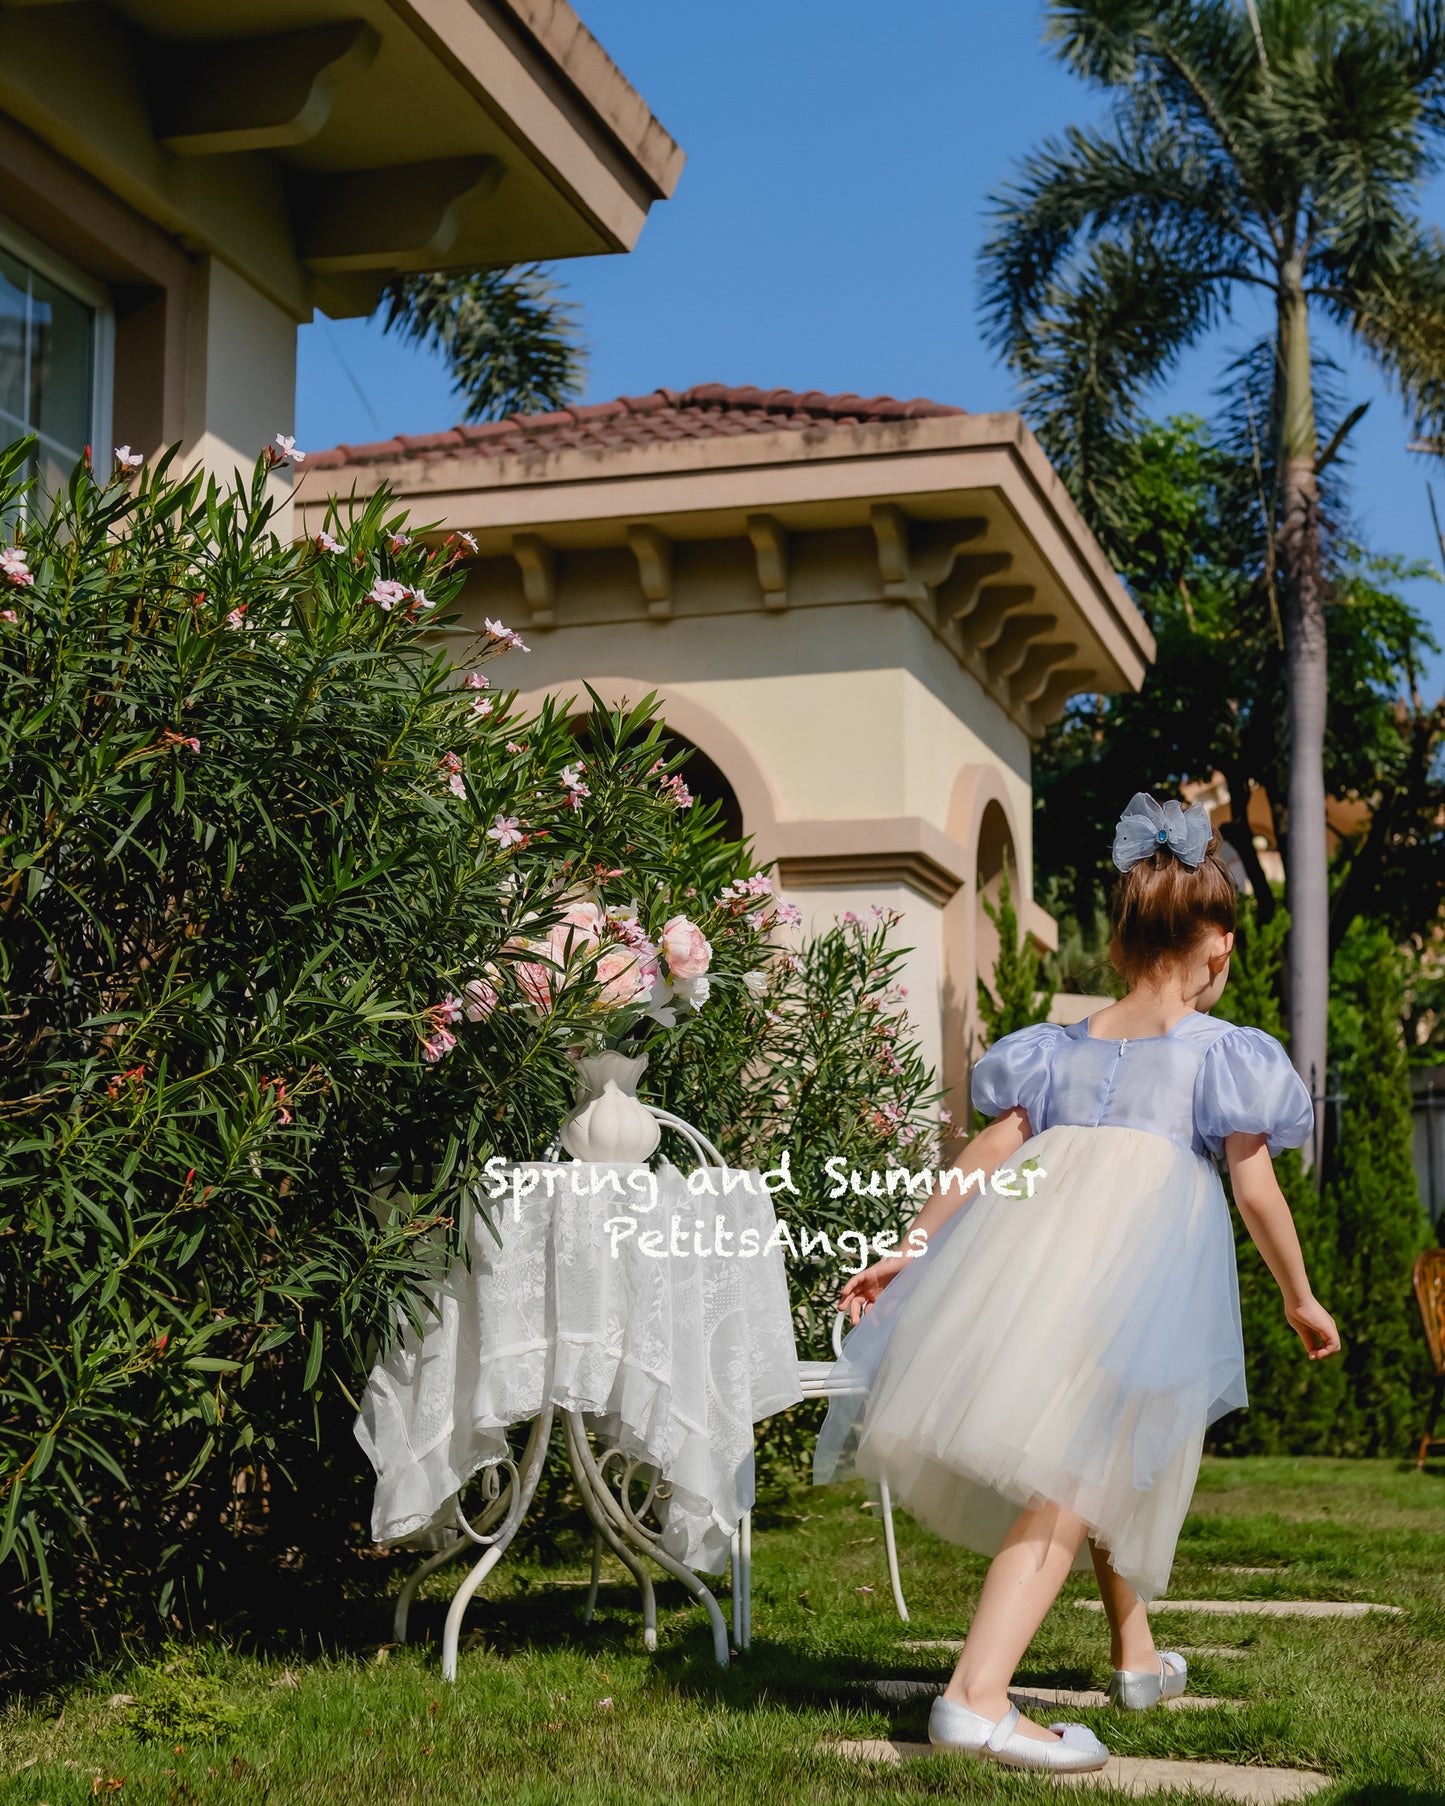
x=1306 y=869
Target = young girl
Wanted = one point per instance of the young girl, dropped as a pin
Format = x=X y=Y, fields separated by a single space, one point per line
x=1043 y=1376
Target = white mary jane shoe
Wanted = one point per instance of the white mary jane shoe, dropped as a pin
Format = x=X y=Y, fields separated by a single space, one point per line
x=1137 y=1692
x=954 y=1727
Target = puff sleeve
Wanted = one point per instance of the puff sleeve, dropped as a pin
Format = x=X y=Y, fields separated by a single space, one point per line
x=1015 y=1070
x=1247 y=1086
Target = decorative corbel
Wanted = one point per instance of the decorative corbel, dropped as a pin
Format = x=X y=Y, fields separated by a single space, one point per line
x=959 y=596
x=895 y=563
x=994 y=603
x=538 y=564
x=1032 y=676
x=1011 y=647
x=770 y=548
x=1051 y=701
x=263 y=93
x=653 y=552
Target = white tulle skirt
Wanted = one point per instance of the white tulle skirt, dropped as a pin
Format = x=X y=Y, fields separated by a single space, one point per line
x=1070 y=1347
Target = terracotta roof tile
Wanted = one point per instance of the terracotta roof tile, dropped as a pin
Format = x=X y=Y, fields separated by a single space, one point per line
x=708 y=411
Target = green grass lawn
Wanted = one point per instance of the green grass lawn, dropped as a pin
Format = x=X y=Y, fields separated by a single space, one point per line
x=548 y=1709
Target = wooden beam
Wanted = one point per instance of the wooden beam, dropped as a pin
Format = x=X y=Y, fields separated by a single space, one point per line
x=1032 y=676
x=1011 y=647
x=368 y=219
x=538 y=564
x=256 y=93
x=653 y=552
x=770 y=548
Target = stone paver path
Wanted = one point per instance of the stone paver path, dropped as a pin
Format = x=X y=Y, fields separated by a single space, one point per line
x=1259 y=1608
x=1034 y=1699
x=1137 y=1774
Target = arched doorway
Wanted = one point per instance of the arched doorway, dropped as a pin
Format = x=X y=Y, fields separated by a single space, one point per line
x=995 y=859
x=704 y=777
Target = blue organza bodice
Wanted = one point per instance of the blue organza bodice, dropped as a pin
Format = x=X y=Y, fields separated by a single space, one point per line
x=1202 y=1081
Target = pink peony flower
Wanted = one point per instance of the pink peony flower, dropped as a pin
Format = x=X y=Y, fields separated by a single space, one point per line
x=535 y=982
x=624 y=977
x=688 y=952
x=506 y=832
x=479 y=998
x=386 y=593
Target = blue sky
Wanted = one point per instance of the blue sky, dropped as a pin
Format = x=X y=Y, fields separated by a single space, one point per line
x=825 y=232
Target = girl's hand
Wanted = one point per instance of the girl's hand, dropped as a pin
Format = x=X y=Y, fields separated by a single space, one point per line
x=863 y=1288
x=1312 y=1323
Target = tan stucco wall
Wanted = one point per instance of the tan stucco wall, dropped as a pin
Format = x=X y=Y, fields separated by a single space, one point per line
x=240 y=371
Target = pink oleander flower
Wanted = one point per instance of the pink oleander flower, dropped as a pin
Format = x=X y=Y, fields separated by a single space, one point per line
x=686 y=949
x=325 y=543
x=127 y=459
x=284 y=450
x=571 y=781
x=756 y=983
x=437 y=1045
x=945 y=1116
x=479 y=997
x=482 y=706
x=476 y=680
x=789 y=915
x=237 y=617
x=398 y=542
x=420 y=599
x=676 y=792
x=506 y=832
x=8 y=614
x=386 y=593
x=466 y=540
x=457 y=784
x=514 y=748
x=170 y=738
x=15 y=566
x=446 y=1012
x=504 y=636
x=848 y=916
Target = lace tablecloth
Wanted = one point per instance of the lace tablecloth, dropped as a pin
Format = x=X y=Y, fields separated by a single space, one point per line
x=627 y=1295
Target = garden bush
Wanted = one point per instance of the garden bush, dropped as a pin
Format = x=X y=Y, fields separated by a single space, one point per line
x=283 y=915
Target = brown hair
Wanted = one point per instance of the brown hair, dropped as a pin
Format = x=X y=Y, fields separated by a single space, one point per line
x=1160 y=910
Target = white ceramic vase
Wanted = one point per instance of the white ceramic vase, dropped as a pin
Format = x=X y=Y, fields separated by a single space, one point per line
x=609 y=1121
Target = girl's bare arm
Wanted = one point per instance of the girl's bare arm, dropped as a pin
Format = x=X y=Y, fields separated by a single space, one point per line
x=1266 y=1215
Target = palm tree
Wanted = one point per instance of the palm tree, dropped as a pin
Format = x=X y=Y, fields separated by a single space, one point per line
x=1278 y=148
x=510 y=342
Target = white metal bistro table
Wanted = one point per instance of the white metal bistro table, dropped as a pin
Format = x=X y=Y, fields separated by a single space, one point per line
x=645 y=1310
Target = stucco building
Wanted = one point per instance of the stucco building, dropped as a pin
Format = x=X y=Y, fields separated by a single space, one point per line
x=861 y=612
x=182 y=184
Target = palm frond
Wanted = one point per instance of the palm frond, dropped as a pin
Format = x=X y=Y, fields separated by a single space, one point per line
x=511 y=344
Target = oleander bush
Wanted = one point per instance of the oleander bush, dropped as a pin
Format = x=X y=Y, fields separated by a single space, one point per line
x=285 y=924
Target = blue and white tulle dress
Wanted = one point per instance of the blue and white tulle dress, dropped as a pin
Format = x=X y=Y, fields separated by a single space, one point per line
x=1074 y=1345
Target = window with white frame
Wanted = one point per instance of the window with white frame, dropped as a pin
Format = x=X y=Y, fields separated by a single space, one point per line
x=53 y=343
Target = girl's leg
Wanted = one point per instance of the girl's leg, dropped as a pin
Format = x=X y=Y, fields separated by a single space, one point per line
x=1131 y=1642
x=1022 y=1583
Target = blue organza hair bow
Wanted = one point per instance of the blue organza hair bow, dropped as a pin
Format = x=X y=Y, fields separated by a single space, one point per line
x=1146 y=826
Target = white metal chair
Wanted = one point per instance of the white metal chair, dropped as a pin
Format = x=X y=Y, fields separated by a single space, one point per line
x=818 y=1381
